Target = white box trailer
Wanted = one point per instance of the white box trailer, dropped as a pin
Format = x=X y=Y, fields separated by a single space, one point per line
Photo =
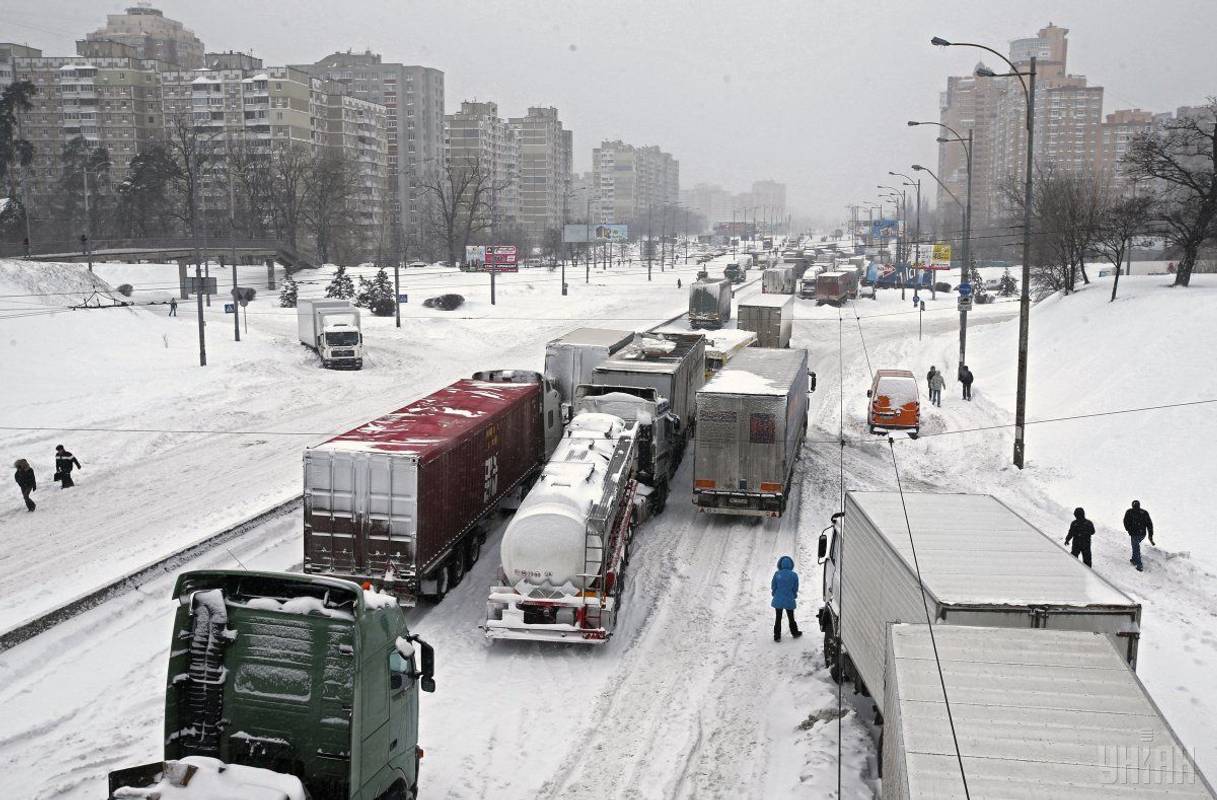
x=1039 y=715
x=710 y=303
x=770 y=316
x=570 y=360
x=981 y=565
x=777 y=280
x=751 y=421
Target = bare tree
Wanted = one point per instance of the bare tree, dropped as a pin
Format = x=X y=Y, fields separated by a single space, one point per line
x=462 y=195
x=1122 y=218
x=289 y=167
x=1181 y=160
x=1066 y=218
x=331 y=191
x=191 y=153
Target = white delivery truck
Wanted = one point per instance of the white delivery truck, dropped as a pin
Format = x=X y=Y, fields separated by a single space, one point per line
x=570 y=359
x=778 y=280
x=981 y=565
x=751 y=421
x=1038 y=714
x=770 y=316
x=331 y=328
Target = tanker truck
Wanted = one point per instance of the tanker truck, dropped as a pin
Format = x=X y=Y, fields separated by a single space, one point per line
x=563 y=553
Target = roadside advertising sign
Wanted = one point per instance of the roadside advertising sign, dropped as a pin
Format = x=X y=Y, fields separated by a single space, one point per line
x=941 y=259
x=585 y=233
x=502 y=258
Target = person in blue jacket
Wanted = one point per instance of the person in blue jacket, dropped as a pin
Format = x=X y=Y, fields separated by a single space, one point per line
x=785 y=589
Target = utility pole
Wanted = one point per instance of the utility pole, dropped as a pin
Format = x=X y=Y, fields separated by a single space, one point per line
x=966 y=269
x=88 y=247
x=200 y=289
x=650 y=244
x=236 y=322
x=232 y=238
x=1024 y=305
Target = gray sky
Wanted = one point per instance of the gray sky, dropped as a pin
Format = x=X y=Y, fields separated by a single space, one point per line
x=814 y=94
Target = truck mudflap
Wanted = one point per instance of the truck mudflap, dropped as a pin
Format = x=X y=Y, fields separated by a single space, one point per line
x=511 y=615
x=751 y=504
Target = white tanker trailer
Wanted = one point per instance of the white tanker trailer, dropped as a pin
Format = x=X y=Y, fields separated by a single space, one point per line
x=563 y=553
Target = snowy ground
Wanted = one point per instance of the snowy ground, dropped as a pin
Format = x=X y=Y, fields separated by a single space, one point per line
x=691 y=698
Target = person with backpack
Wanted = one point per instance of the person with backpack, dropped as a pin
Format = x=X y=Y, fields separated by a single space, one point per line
x=1138 y=525
x=965 y=377
x=1080 y=531
x=26 y=481
x=937 y=384
x=785 y=590
x=64 y=461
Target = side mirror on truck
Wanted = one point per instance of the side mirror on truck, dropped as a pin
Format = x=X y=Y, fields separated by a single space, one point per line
x=869 y=393
x=811 y=382
x=822 y=547
x=427 y=666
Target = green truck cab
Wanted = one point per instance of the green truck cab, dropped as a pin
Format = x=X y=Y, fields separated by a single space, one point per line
x=304 y=676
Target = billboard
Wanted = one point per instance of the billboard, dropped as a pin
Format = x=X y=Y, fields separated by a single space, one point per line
x=583 y=233
x=941 y=257
x=885 y=229
x=475 y=256
x=502 y=258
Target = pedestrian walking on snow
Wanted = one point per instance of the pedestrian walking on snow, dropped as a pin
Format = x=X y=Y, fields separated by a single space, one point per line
x=64 y=461
x=965 y=377
x=678 y=283
x=1080 y=531
x=1138 y=525
x=937 y=383
x=785 y=590
x=26 y=481
x=173 y=306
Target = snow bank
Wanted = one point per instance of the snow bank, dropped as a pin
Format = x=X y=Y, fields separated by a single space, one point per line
x=199 y=778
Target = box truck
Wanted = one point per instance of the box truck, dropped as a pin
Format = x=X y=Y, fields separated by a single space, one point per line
x=400 y=501
x=981 y=565
x=751 y=421
x=304 y=685
x=1037 y=714
x=331 y=328
x=770 y=316
x=709 y=304
x=570 y=359
x=724 y=344
x=673 y=364
x=777 y=280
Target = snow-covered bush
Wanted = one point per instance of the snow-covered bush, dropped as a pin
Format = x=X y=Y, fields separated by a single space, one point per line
x=287 y=295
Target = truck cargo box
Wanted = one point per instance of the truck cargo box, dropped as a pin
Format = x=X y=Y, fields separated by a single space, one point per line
x=770 y=316
x=569 y=360
x=981 y=565
x=673 y=364
x=1038 y=715
x=724 y=344
x=710 y=303
x=778 y=280
x=751 y=421
x=390 y=501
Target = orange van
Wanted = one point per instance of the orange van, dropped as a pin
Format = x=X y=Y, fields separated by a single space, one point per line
x=894 y=401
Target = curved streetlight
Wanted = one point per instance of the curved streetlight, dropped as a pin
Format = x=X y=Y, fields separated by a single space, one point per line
x=917 y=235
x=1024 y=310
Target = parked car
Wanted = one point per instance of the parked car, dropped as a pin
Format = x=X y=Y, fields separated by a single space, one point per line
x=894 y=402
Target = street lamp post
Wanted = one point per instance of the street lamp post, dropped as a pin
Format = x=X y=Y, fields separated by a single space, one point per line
x=902 y=209
x=1024 y=307
x=966 y=256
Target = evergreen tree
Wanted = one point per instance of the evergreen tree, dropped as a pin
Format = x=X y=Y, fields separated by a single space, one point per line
x=341 y=287
x=1007 y=286
x=287 y=295
x=978 y=283
x=377 y=295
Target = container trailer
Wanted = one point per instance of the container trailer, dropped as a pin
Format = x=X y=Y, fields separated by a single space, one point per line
x=981 y=565
x=751 y=421
x=1038 y=714
x=777 y=280
x=770 y=316
x=400 y=501
x=569 y=360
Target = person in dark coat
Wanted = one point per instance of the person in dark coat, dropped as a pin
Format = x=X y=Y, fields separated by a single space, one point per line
x=1080 y=531
x=26 y=481
x=785 y=590
x=64 y=461
x=173 y=306
x=965 y=377
x=1138 y=525
x=678 y=283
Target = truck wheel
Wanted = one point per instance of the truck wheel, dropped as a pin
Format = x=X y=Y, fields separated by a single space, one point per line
x=442 y=584
x=473 y=551
x=455 y=569
x=660 y=499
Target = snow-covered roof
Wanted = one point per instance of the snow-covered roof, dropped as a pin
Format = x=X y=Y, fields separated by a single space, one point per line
x=1038 y=713
x=768 y=301
x=973 y=549
x=758 y=371
x=205 y=79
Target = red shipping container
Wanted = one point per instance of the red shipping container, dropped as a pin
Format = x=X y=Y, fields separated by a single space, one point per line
x=397 y=499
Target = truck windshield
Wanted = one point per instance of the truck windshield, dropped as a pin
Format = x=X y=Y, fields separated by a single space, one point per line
x=342 y=339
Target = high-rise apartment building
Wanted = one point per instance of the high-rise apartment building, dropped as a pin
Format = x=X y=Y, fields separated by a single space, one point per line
x=476 y=138
x=9 y=52
x=357 y=132
x=1118 y=131
x=630 y=181
x=545 y=163
x=413 y=97
x=153 y=36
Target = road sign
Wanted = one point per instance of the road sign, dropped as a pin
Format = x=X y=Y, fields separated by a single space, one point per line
x=965 y=304
x=965 y=290
x=193 y=284
x=502 y=258
x=230 y=308
x=403 y=298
